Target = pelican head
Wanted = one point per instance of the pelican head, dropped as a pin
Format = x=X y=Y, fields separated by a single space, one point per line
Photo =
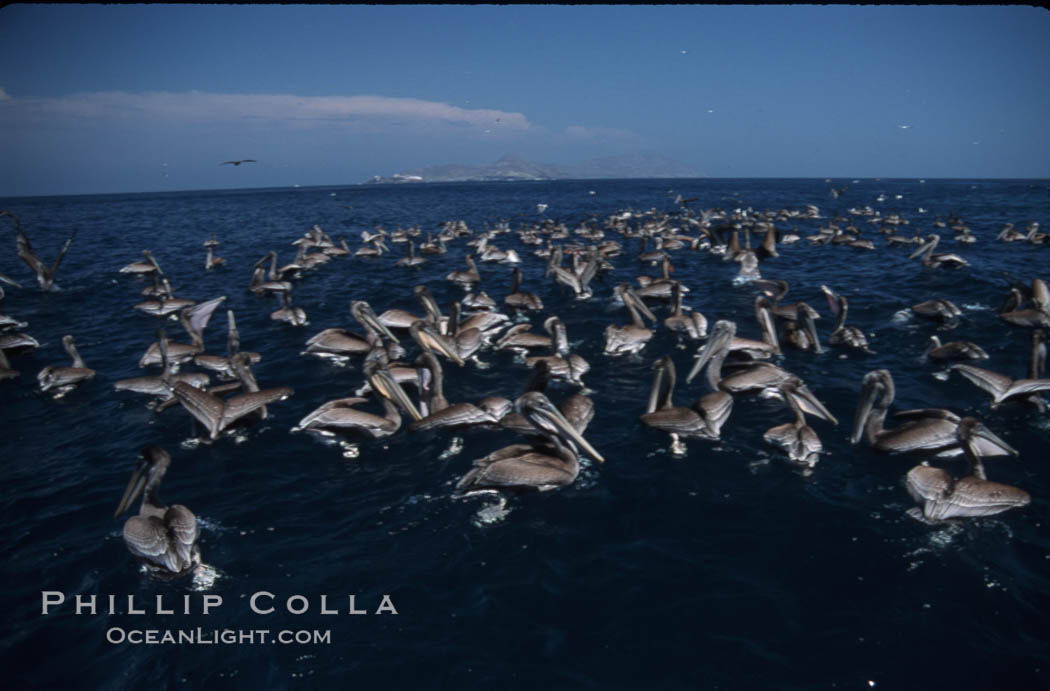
x=153 y=462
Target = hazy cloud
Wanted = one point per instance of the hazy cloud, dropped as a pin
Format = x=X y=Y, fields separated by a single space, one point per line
x=581 y=132
x=198 y=107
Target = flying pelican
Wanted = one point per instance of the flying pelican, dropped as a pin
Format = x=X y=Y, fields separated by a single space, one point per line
x=237 y=163
x=65 y=379
x=943 y=497
x=534 y=465
x=927 y=431
x=164 y=537
x=45 y=275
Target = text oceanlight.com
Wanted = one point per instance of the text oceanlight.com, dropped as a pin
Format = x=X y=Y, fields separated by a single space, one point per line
x=200 y=636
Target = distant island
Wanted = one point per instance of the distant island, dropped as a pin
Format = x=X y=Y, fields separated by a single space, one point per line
x=512 y=167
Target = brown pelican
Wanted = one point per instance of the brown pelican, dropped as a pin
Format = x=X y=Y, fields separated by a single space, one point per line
x=402 y=319
x=220 y=364
x=578 y=409
x=442 y=415
x=237 y=163
x=521 y=300
x=621 y=340
x=1002 y=388
x=217 y=414
x=268 y=282
x=943 y=497
x=339 y=415
x=338 y=343
x=467 y=277
x=1036 y=316
x=166 y=304
x=578 y=282
x=954 y=350
x=927 y=431
x=45 y=275
x=693 y=324
x=797 y=439
x=411 y=260
x=519 y=337
x=750 y=376
x=660 y=288
x=952 y=261
x=288 y=313
x=160 y=386
x=150 y=266
x=465 y=339
x=563 y=363
x=703 y=420
x=803 y=333
x=210 y=260
x=164 y=537
x=535 y=465
x=375 y=248
x=481 y=301
x=937 y=310
x=65 y=379
x=840 y=333
x=429 y=339
x=194 y=320
x=776 y=290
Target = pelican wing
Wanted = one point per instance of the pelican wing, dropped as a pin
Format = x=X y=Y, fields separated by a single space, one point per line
x=520 y=469
x=240 y=405
x=184 y=531
x=205 y=407
x=973 y=496
x=147 y=538
x=717 y=406
x=453 y=416
x=1025 y=386
x=994 y=383
x=928 y=484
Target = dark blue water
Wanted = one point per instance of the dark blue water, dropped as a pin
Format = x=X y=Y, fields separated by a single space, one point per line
x=723 y=569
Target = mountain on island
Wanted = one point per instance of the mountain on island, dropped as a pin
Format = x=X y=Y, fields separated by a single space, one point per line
x=513 y=167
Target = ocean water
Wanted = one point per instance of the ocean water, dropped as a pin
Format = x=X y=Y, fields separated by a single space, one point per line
x=725 y=568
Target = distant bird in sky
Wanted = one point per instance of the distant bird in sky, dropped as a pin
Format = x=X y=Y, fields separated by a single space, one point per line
x=237 y=163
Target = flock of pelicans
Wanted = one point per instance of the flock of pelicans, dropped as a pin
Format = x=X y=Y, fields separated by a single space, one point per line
x=165 y=537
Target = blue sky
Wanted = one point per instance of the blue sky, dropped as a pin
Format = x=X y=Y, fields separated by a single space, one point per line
x=112 y=98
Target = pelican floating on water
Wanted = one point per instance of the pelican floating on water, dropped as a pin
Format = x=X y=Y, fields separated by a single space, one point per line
x=840 y=333
x=622 y=340
x=537 y=465
x=944 y=497
x=704 y=420
x=926 y=431
x=65 y=379
x=164 y=537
